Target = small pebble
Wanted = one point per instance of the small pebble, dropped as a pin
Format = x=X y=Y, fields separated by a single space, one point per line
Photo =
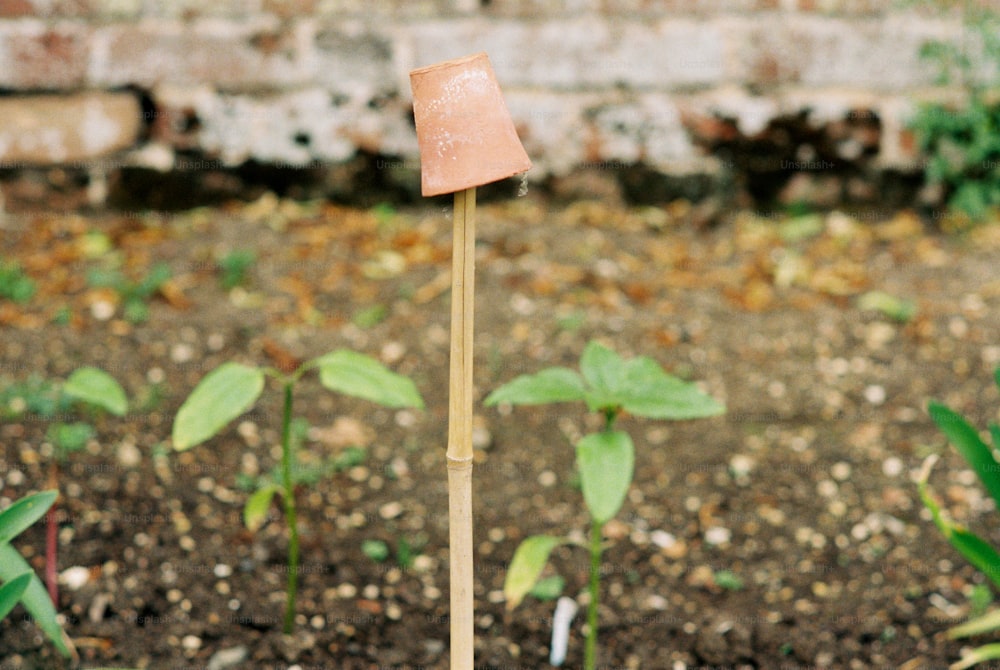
x=181 y=353
x=875 y=394
x=74 y=578
x=347 y=590
x=826 y=488
x=227 y=658
x=222 y=570
x=390 y=510
x=662 y=539
x=102 y=310
x=718 y=535
x=841 y=471
x=547 y=478
x=892 y=467
x=191 y=643
x=129 y=454
x=216 y=341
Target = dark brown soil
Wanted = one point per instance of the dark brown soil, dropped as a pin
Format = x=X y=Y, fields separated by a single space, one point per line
x=802 y=490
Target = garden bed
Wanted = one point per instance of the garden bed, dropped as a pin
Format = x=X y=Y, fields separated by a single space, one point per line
x=800 y=495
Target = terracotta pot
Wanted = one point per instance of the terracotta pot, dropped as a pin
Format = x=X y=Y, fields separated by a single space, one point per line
x=465 y=132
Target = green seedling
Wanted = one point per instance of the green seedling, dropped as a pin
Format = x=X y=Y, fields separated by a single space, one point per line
x=87 y=389
x=974 y=548
x=605 y=460
x=233 y=388
x=20 y=584
x=897 y=309
x=728 y=580
x=14 y=284
x=135 y=295
x=376 y=550
x=233 y=267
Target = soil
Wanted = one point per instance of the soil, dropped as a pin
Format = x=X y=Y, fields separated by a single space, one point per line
x=803 y=490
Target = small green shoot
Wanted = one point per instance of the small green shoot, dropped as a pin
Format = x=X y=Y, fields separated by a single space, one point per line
x=233 y=388
x=897 y=309
x=609 y=386
x=14 y=284
x=87 y=389
x=376 y=550
x=234 y=266
x=369 y=317
x=980 y=457
x=134 y=294
x=728 y=580
x=20 y=583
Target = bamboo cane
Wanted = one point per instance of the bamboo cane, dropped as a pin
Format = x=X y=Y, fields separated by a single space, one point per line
x=459 y=455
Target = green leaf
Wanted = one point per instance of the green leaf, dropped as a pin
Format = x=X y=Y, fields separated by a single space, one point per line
x=97 y=387
x=69 y=437
x=224 y=394
x=602 y=368
x=550 y=385
x=35 y=599
x=361 y=376
x=987 y=652
x=24 y=512
x=970 y=445
x=652 y=393
x=11 y=592
x=548 y=588
x=973 y=548
x=257 y=507
x=376 y=550
x=996 y=378
x=606 y=461
x=987 y=623
x=526 y=567
x=897 y=309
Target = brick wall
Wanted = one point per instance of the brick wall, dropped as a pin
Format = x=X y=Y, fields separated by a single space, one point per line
x=679 y=86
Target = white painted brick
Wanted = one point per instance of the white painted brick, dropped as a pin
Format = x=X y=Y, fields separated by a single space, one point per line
x=582 y=53
x=238 y=127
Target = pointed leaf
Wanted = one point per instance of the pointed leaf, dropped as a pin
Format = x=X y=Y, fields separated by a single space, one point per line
x=97 y=387
x=526 y=567
x=984 y=624
x=550 y=385
x=35 y=599
x=24 y=512
x=224 y=394
x=996 y=376
x=602 y=368
x=970 y=445
x=987 y=652
x=651 y=392
x=257 y=506
x=361 y=376
x=973 y=548
x=606 y=461
x=11 y=592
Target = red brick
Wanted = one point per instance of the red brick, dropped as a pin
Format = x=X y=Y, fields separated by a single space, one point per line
x=227 y=54
x=53 y=129
x=38 y=56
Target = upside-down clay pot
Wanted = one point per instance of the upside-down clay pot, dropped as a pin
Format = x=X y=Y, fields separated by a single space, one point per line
x=464 y=130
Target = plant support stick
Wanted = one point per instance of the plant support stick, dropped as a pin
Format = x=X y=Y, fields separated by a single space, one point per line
x=459 y=454
x=457 y=156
